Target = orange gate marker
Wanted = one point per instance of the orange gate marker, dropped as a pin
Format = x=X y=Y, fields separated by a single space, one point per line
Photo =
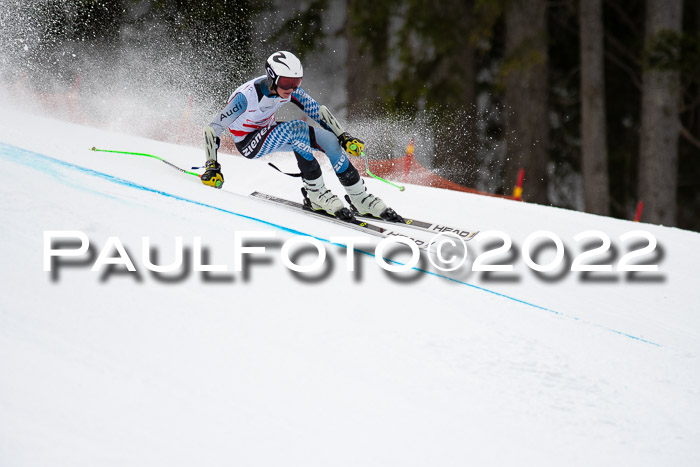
x=640 y=207
x=518 y=190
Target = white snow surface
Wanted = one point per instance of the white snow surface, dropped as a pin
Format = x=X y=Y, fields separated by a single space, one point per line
x=365 y=368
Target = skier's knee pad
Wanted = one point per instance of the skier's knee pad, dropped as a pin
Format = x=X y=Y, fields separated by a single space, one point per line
x=350 y=176
x=310 y=169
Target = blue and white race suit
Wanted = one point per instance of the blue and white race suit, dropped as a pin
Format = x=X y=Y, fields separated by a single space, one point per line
x=250 y=117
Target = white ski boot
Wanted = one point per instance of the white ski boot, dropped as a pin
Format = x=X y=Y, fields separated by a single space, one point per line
x=365 y=203
x=320 y=198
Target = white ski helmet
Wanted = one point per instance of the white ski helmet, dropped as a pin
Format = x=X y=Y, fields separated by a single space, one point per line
x=284 y=71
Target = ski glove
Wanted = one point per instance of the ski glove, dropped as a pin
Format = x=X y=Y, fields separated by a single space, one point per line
x=213 y=176
x=351 y=145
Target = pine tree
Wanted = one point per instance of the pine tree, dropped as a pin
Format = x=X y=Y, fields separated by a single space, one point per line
x=660 y=124
x=593 y=119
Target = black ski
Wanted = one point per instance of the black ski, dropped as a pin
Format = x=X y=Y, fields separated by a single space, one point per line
x=424 y=226
x=352 y=222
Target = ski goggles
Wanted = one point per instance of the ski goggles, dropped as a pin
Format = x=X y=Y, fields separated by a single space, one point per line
x=286 y=83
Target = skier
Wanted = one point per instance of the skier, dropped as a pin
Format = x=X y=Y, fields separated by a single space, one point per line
x=250 y=117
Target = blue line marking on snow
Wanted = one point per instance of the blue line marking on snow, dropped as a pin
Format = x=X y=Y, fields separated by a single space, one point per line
x=13 y=151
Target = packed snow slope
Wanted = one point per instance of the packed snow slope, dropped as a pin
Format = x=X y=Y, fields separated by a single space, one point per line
x=332 y=368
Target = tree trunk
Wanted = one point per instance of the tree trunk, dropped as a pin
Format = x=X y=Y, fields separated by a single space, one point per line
x=454 y=126
x=526 y=97
x=593 y=122
x=660 y=122
x=366 y=72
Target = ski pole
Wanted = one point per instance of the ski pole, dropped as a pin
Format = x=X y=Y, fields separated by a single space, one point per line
x=146 y=155
x=400 y=187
